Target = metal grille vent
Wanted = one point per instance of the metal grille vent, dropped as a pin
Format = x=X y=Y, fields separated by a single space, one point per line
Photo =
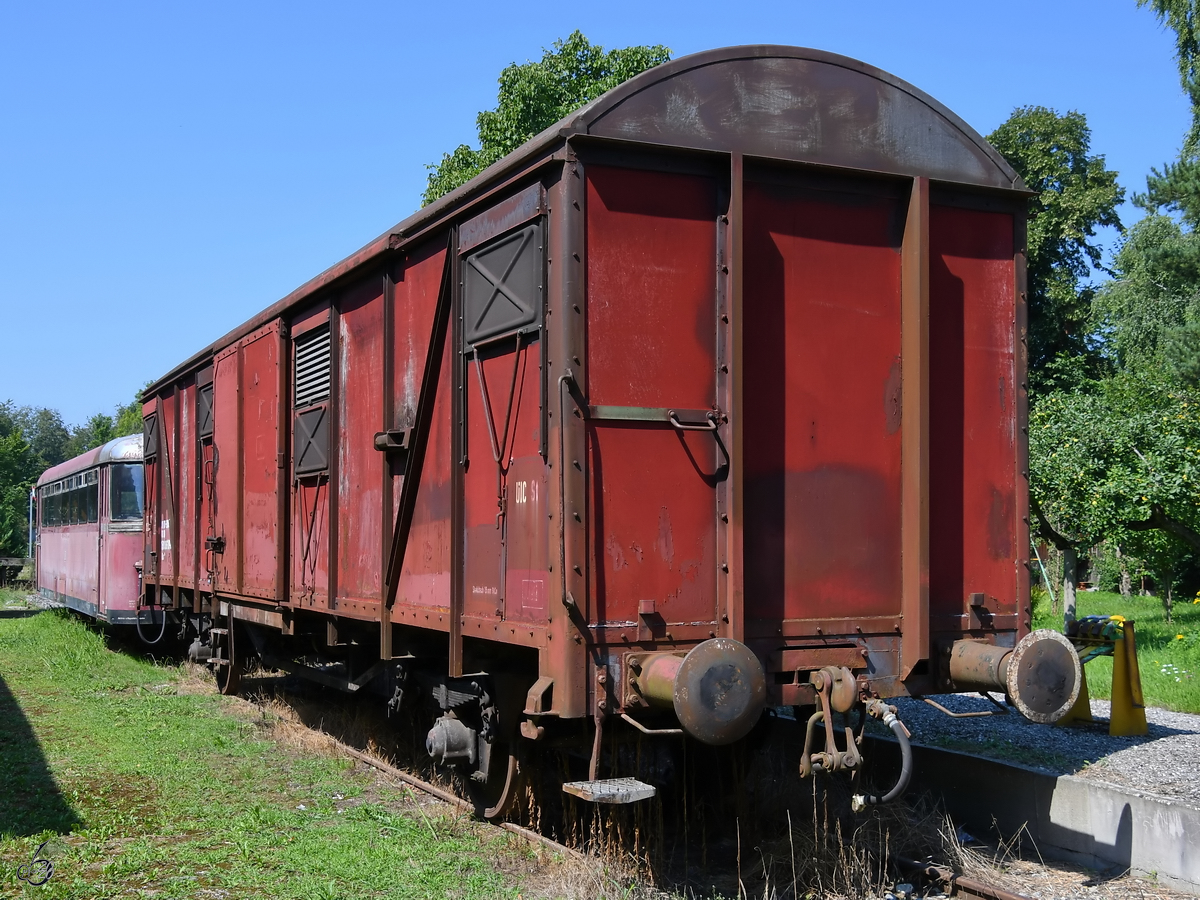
x=313 y=365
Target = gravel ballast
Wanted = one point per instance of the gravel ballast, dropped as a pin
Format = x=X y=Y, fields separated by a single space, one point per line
x=1165 y=762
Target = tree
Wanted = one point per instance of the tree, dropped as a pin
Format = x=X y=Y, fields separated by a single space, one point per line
x=1076 y=194
x=129 y=417
x=1146 y=312
x=1120 y=460
x=535 y=95
x=1177 y=185
x=97 y=430
x=31 y=441
x=46 y=432
x=19 y=469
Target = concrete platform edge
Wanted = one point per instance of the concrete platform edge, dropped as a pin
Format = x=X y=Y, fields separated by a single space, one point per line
x=1074 y=819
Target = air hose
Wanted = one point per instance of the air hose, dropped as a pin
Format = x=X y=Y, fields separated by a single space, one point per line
x=137 y=623
x=888 y=715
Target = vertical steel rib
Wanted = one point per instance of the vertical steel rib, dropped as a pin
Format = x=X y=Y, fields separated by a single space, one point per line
x=914 y=453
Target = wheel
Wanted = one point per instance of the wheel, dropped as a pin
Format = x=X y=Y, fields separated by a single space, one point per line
x=227 y=661
x=495 y=797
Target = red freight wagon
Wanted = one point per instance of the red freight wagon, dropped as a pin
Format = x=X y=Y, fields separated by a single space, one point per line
x=710 y=398
x=90 y=533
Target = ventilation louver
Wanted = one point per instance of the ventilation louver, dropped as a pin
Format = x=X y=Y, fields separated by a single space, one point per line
x=312 y=367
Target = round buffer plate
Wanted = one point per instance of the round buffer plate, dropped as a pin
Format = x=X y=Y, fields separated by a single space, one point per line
x=720 y=691
x=1044 y=675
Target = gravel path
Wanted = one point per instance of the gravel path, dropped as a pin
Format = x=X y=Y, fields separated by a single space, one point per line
x=28 y=602
x=1166 y=761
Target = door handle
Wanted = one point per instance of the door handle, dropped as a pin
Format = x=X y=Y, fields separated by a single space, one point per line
x=709 y=423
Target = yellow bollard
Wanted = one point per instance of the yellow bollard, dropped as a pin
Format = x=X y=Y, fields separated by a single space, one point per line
x=1081 y=712
x=1128 y=705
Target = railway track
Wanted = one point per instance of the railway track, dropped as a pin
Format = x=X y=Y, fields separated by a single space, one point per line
x=927 y=876
x=951 y=884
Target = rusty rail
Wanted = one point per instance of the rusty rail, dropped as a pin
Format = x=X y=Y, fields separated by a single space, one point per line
x=454 y=800
x=955 y=885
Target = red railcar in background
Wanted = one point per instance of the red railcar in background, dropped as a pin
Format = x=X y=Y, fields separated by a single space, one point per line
x=89 y=544
x=709 y=399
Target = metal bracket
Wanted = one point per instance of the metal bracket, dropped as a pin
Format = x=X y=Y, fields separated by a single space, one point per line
x=827 y=681
x=394 y=440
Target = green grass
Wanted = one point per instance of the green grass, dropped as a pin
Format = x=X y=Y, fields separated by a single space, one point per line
x=145 y=791
x=1168 y=653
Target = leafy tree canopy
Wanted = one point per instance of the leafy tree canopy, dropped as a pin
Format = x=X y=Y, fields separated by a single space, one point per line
x=1176 y=186
x=19 y=468
x=1183 y=17
x=1145 y=312
x=1121 y=454
x=34 y=439
x=1120 y=461
x=1076 y=194
x=535 y=95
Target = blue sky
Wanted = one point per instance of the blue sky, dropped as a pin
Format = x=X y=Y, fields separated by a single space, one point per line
x=169 y=169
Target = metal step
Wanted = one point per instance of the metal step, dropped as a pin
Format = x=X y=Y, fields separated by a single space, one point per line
x=218 y=631
x=611 y=790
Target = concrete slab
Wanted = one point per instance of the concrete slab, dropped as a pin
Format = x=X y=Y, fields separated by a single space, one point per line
x=1079 y=820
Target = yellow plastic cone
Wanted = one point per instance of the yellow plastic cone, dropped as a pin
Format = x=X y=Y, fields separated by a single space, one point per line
x=1128 y=704
x=1081 y=712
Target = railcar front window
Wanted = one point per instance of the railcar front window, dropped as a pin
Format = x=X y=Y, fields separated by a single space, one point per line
x=126 y=499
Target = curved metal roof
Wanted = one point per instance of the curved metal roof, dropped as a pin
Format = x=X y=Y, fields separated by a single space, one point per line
x=798 y=104
x=775 y=102
x=123 y=449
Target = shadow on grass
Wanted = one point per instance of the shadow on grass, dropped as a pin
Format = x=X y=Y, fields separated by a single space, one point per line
x=30 y=802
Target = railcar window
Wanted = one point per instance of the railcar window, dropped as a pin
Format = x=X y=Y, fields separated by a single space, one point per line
x=126 y=483
x=92 y=502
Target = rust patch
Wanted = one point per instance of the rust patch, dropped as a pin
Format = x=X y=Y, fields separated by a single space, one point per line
x=637 y=550
x=690 y=570
x=614 y=551
x=1000 y=525
x=666 y=541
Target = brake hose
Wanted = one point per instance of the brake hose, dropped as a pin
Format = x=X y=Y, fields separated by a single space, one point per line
x=137 y=623
x=861 y=801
